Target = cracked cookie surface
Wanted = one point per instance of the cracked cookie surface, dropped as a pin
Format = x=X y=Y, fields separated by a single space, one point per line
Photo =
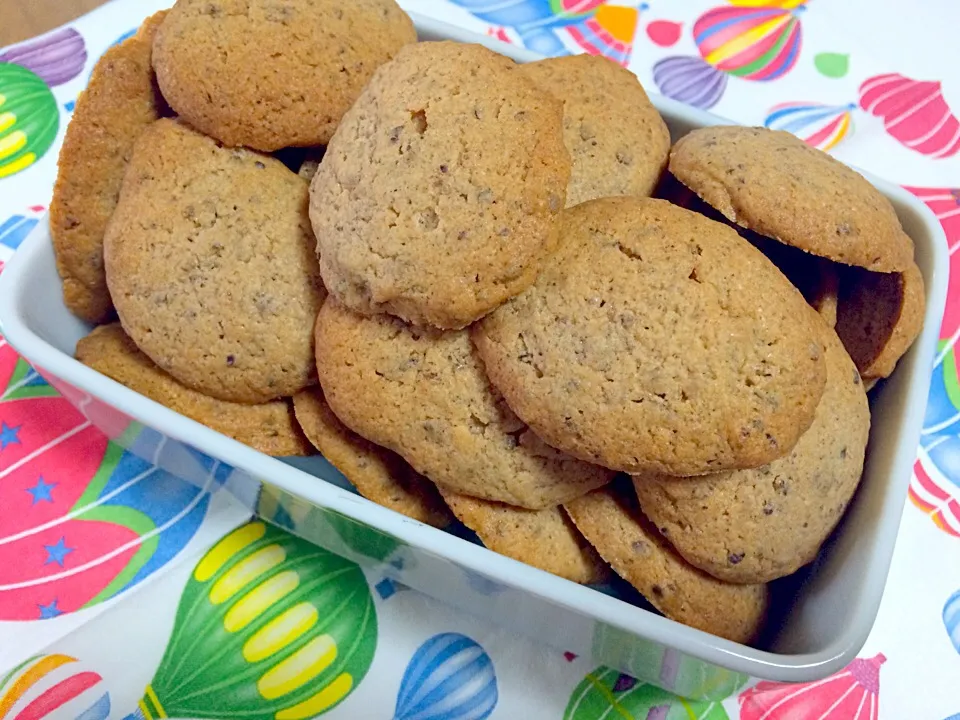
x=422 y=393
x=656 y=339
x=758 y=525
x=617 y=140
x=775 y=184
x=209 y=259
x=439 y=196
x=270 y=74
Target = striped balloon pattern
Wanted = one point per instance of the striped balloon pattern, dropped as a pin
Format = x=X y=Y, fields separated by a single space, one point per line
x=752 y=41
x=449 y=677
x=760 y=43
x=819 y=125
x=53 y=686
x=951 y=619
x=851 y=694
x=84 y=519
x=914 y=112
x=56 y=58
x=269 y=627
x=606 y=693
x=563 y=27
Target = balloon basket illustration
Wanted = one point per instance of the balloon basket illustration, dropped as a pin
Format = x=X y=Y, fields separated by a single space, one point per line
x=563 y=27
x=85 y=519
x=608 y=693
x=449 y=676
x=269 y=627
x=851 y=694
x=751 y=42
x=53 y=686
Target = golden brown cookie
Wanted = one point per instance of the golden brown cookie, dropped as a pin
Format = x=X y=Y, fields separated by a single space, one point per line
x=774 y=183
x=751 y=526
x=268 y=427
x=422 y=393
x=612 y=523
x=617 y=140
x=439 y=196
x=270 y=74
x=657 y=340
x=545 y=539
x=377 y=474
x=210 y=263
x=119 y=102
x=879 y=315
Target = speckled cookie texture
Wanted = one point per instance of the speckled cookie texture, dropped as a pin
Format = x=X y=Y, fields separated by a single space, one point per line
x=210 y=263
x=422 y=393
x=439 y=196
x=774 y=183
x=612 y=523
x=270 y=74
x=545 y=539
x=119 y=102
x=657 y=340
x=377 y=474
x=268 y=427
x=752 y=526
x=879 y=315
x=618 y=142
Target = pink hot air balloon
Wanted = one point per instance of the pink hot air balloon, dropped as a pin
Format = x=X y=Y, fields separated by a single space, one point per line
x=851 y=694
x=914 y=112
x=53 y=686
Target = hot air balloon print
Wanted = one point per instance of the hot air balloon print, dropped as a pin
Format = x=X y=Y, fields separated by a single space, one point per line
x=819 y=125
x=449 y=677
x=914 y=113
x=53 y=686
x=15 y=229
x=561 y=27
x=759 y=42
x=851 y=694
x=951 y=619
x=55 y=58
x=269 y=627
x=83 y=518
x=609 y=693
x=29 y=118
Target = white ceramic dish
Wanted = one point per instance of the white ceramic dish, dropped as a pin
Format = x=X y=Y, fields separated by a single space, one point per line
x=833 y=608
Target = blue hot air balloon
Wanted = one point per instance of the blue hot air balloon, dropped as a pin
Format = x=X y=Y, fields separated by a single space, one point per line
x=951 y=619
x=450 y=677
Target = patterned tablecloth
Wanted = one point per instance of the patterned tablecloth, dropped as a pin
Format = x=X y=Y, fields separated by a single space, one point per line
x=105 y=608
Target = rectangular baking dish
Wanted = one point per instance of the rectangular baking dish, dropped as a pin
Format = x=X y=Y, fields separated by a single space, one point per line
x=831 y=607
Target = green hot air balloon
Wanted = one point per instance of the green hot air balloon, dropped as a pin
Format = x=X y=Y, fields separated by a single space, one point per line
x=29 y=118
x=608 y=693
x=269 y=627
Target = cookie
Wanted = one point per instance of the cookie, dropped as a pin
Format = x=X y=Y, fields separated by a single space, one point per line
x=618 y=142
x=422 y=393
x=119 y=102
x=752 y=526
x=440 y=194
x=643 y=348
x=269 y=74
x=210 y=263
x=879 y=315
x=545 y=539
x=774 y=183
x=612 y=523
x=269 y=427
x=377 y=474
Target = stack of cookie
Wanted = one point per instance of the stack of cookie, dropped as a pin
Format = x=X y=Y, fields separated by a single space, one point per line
x=475 y=309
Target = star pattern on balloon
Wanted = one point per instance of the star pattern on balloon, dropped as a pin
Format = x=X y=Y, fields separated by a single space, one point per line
x=42 y=491
x=57 y=552
x=49 y=611
x=9 y=435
